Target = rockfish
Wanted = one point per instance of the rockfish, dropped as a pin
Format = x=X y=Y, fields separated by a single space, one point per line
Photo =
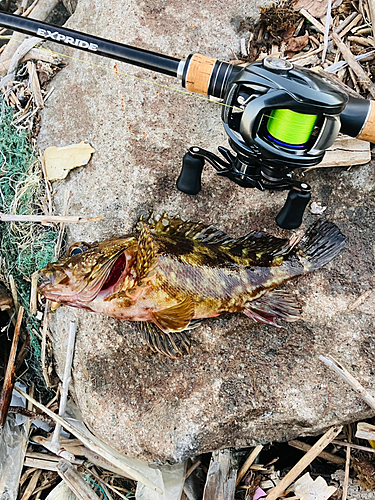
x=169 y=273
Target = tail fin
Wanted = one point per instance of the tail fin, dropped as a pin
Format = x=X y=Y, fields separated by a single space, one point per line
x=321 y=243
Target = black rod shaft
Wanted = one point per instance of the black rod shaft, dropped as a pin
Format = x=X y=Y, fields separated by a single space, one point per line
x=114 y=50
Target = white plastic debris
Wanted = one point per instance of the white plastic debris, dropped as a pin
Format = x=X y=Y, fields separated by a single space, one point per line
x=317 y=208
x=13 y=442
x=171 y=481
x=18 y=400
x=61 y=492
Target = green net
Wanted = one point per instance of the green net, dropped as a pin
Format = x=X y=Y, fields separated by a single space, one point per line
x=25 y=247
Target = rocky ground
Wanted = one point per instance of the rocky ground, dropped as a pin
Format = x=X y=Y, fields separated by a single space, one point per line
x=243 y=383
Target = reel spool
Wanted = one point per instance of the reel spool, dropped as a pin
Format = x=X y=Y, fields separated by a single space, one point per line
x=290 y=129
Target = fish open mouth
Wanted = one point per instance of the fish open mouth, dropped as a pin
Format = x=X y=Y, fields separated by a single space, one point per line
x=115 y=273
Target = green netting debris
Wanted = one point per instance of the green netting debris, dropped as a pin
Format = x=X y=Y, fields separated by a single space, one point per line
x=25 y=247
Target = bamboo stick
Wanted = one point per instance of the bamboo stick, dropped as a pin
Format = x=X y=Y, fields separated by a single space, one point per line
x=304 y=462
x=248 y=463
x=68 y=219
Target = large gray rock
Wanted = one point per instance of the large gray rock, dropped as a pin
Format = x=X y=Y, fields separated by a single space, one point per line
x=243 y=383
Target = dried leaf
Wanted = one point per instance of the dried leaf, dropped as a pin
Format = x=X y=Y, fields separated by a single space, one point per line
x=306 y=488
x=59 y=161
x=317 y=8
x=298 y=43
x=365 y=472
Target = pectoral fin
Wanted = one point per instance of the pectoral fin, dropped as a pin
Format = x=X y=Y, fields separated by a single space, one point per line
x=272 y=305
x=175 y=318
x=171 y=344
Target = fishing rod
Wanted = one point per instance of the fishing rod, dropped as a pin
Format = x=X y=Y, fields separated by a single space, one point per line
x=278 y=117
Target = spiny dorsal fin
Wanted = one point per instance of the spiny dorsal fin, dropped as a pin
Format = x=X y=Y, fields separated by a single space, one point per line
x=253 y=245
x=192 y=230
x=175 y=318
x=146 y=255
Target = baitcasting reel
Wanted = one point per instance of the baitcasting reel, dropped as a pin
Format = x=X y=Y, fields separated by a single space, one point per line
x=277 y=118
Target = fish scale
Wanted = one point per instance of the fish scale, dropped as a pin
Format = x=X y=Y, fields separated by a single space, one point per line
x=170 y=273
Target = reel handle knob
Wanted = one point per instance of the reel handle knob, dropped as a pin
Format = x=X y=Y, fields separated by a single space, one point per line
x=189 y=180
x=290 y=216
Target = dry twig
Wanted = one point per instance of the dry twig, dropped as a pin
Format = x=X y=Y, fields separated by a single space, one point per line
x=40 y=10
x=94 y=444
x=354 y=65
x=49 y=219
x=318 y=25
x=43 y=347
x=32 y=485
x=330 y=457
x=34 y=293
x=248 y=463
x=365 y=431
x=306 y=460
x=346 y=477
x=349 y=379
x=6 y=393
x=355 y=446
x=65 y=384
x=75 y=481
x=361 y=299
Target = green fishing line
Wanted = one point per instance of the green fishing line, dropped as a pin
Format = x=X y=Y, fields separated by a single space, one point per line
x=290 y=127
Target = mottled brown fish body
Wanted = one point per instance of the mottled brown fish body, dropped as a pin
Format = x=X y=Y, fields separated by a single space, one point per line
x=222 y=288
x=173 y=272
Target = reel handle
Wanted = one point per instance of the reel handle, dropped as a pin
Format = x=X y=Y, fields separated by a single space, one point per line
x=189 y=180
x=290 y=216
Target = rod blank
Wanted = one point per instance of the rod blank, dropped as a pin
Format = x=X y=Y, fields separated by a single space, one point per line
x=114 y=50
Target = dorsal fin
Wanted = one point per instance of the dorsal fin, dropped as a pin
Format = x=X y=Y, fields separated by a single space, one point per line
x=146 y=254
x=191 y=230
x=253 y=246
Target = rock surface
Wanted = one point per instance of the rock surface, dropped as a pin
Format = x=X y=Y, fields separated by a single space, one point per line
x=243 y=383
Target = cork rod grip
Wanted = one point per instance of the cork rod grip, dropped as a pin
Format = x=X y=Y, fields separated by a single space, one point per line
x=368 y=131
x=199 y=73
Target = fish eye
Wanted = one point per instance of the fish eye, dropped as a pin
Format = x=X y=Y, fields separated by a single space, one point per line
x=76 y=251
x=78 y=248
